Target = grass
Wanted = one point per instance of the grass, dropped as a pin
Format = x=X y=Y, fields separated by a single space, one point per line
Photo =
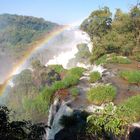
x=74 y=91
x=118 y=60
x=112 y=58
x=133 y=105
x=78 y=71
x=101 y=60
x=94 y=76
x=101 y=94
x=133 y=77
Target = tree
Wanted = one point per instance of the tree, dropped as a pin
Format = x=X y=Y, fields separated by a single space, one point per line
x=98 y=23
x=19 y=130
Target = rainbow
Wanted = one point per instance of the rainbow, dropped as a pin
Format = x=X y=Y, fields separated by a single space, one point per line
x=36 y=45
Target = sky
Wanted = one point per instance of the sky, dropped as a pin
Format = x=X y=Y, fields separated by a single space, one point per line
x=61 y=11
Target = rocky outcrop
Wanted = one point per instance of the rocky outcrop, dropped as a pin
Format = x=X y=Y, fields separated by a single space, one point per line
x=57 y=110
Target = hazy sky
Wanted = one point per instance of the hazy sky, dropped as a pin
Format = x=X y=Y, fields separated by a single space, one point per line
x=61 y=11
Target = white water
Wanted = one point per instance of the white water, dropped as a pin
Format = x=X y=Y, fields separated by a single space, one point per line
x=64 y=56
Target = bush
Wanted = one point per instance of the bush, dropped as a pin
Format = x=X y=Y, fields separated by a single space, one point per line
x=101 y=94
x=78 y=71
x=109 y=121
x=94 y=76
x=70 y=80
x=74 y=91
x=133 y=104
x=40 y=104
x=133 y=77
x=57 y=68
x=58 y=85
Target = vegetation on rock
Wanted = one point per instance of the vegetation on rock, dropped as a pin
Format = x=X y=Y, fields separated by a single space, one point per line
x=133 y=77
x=101 y=94
x=94 y=76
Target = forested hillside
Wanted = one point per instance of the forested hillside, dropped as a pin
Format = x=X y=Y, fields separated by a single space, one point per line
x=17 y=32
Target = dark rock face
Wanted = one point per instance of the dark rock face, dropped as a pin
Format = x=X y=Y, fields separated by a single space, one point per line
x=65 y=134
x=135 y=134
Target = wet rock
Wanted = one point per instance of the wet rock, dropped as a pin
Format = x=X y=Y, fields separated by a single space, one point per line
x=56 y=127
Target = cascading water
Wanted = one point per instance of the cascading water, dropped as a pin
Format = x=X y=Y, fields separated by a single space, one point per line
x=60 y=50
x=68 y=51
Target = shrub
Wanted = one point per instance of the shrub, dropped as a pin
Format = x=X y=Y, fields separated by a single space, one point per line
x=57 y=68
x=78 y=71
x=58 y=85
x=74 y=91
x=107 y=120
x=94 y=76
x=132 y=77
x=70 y=80
x=40 y=103
x=101 y=94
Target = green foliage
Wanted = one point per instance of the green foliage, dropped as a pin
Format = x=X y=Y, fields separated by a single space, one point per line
x=71 y=80
x=94 y=76
x=17 y=130
x=72 y=77
x=39 y=105
x=107 y=121
x=133 y=77
x=133 y=104
x=77 y=71
x=112 y=58
x=18 y=32
x=98 y=22
x=58 y=85
x=118 y=35
x=101 y=60
x=119 y=60
x=74 y=91
x=57 y=68
x=101 y=94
